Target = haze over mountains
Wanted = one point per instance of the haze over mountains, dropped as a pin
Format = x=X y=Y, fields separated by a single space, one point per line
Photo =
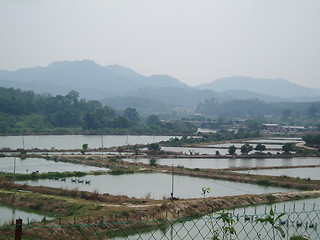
x=122 y=87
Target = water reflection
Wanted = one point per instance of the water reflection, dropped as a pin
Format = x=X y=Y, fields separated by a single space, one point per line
x=9 y=214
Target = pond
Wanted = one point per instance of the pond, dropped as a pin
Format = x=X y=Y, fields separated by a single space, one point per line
x=304 y=212
x=312 y=173
x=75 y=141
x=10 y=213
x=29 y=165
x=220 y=163
x=208 y=151
x=277 y=147
x=277 y=140
x=155 y=185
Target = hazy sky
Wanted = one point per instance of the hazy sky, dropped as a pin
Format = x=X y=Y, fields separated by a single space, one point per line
x=196 y=41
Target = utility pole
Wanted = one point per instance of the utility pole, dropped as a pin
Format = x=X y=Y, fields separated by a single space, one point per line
x=172 y=183
x=14 y=165
x=22 y=141
x=102 y=140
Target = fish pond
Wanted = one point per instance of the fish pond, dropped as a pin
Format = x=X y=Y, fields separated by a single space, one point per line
x=312 y=173
x=29 y=165
x=68 y=142
x=301 y=218
x=10 y=213
x=221 y=163
x=154 y=185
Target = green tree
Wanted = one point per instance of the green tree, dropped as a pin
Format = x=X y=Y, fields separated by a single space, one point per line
x=136 y=150
x=154 y=148
x=153 y=120
x=84 y=148
x=152 y=162
x=232 y=150
x=72 y=97
x=288 y=147
x=132 y=115
x=312 y=140
x=260 y=147
x=121 y=122
x=246 y=148
x=119 y=149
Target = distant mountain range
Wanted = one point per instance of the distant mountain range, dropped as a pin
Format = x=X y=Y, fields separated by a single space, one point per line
x=87 y=77
x=280 y=88
x=117 y=84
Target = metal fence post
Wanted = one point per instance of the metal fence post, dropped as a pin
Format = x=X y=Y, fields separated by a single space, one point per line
x=18 y=229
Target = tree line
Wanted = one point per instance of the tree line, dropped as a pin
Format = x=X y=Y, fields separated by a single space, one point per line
x=25 y=111
x=284 y=111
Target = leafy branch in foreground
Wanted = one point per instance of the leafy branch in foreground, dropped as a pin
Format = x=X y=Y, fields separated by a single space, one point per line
x=227 y=228
x=272 y=219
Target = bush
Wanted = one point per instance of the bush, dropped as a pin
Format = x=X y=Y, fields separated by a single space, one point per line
x=152 y=162
x=264 y=182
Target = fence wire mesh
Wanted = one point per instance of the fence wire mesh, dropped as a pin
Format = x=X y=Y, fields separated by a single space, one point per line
x=222 y=225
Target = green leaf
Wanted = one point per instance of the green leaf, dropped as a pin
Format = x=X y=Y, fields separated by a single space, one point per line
x=282 y=214
x=281 y=231
x=271 y=212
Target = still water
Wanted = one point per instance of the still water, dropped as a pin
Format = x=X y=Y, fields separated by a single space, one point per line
x=238 y=146
x=277 y=140
x=29 y=165
x=312 y=173
x=219 y=163
x=209 y=151
x=299 y=211
x=75 y=141
x=157 y=185
x=9 y=214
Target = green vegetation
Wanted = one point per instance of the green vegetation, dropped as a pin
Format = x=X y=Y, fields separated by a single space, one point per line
x=272 y=219
x=246 y=148
x=33 y=176
x=232 y=150
x=288 y=112
x=260 y=147
x=25 y=112
x=264 y=182
x=288 y=147
x=84 y=148
x=227 y=228
x=154 y=148
x=152 y=162
x=298 y=237
x=204 y=191
x=221 y=135
x=312 y=140
x=121 y=171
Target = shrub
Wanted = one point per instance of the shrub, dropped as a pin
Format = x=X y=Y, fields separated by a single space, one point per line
x=264 y=182
x=152 y=162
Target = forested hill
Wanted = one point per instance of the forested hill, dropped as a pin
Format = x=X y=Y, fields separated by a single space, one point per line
x=49 y=111
x=25 y=111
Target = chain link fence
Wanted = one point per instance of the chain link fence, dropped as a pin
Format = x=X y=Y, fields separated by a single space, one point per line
x=270 y=224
